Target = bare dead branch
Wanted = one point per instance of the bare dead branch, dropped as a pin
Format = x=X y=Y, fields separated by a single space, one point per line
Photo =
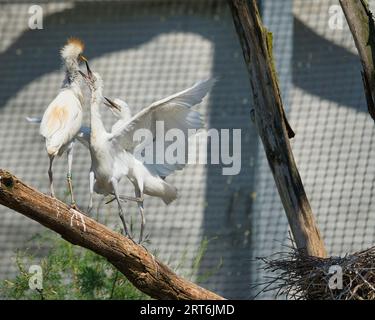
x=135 y=262
x=270 y=121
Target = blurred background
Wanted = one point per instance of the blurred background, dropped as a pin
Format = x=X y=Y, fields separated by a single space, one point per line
x=148 y=49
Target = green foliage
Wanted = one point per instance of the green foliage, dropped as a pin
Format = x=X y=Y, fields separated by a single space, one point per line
x=71 y=272
x=198 y=261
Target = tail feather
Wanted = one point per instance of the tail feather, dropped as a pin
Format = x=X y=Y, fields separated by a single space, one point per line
x=53 y=147
x=52 y=151
x=170 y=193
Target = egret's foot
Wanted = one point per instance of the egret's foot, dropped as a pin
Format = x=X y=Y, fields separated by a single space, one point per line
x=74 y=206
x=125 y=232
x=89 y=209
x=52 y=195
x=131 y=238
x=79 y=218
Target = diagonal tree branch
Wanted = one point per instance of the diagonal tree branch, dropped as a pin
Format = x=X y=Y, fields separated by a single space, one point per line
x=272 y=126
x=135 y=262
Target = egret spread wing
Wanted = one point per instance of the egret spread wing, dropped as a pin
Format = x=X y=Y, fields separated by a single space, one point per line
x=118 y=124
x=176 y=113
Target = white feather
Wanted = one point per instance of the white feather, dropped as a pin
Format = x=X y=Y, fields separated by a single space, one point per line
x=61 y=121
x=175 y=111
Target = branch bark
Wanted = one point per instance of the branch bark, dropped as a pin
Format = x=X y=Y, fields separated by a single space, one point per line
x=362 y=27
x=135 y=262
x=272 y=126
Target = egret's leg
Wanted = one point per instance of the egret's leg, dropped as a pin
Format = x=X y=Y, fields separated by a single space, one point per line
x=139 y=195
x=50 y=175
x=121 y=213
x=69 y=175
x=91 y=183
x=125 y=198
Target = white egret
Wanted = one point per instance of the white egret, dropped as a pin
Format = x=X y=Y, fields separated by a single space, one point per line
x=108 y=163
x=122 y=112
x=112 y=153
x=63 y=117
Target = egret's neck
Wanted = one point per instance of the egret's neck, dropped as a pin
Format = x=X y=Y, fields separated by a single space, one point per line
x=72 y=77
x=97 y=126
x=125 y=113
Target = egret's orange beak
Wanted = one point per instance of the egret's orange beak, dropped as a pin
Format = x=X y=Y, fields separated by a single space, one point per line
x=82 y=58
x=111 y=104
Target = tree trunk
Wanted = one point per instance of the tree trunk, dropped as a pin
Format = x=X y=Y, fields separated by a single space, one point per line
x=272 y=126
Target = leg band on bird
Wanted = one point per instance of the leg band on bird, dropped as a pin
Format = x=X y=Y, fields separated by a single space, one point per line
x=70 y=186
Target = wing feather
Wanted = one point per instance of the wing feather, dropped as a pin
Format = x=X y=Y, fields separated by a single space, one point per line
x=83 y=135
x=61 y=121
x=175 y=111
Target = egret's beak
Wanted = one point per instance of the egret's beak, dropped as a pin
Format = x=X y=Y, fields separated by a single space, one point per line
x=82 y=58
x=111 y=104
x=89 y=72
x=85 y=76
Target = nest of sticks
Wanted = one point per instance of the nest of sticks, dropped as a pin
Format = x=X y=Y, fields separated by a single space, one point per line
x=296 y=275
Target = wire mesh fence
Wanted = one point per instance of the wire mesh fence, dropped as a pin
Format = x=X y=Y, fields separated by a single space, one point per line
x=334 y=141
x=145 y=50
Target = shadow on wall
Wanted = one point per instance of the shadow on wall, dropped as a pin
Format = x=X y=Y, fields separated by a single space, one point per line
x=325 y=69
x=227 y=213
